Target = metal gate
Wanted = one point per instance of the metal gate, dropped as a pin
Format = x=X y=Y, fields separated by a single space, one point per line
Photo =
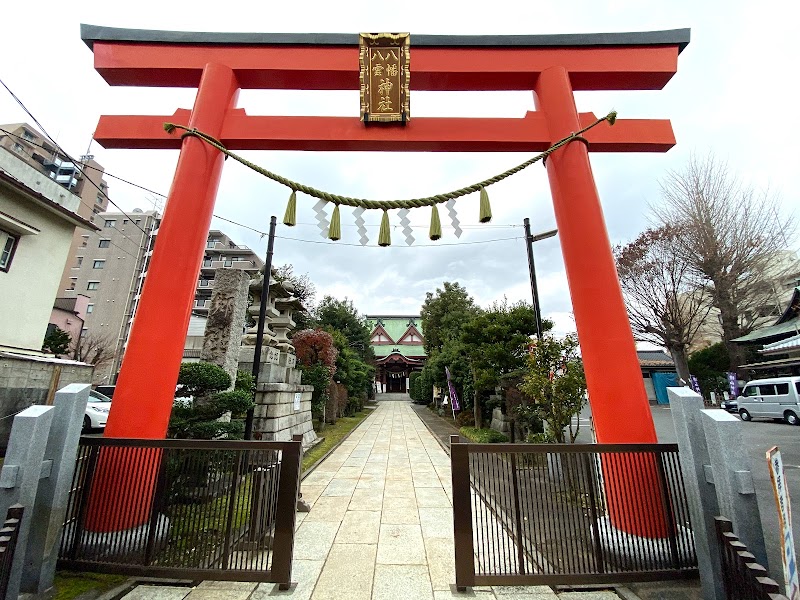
x=537 y=514
x=185 y=509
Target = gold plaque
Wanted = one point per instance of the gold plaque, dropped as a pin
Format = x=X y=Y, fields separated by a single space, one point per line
x=385 y=75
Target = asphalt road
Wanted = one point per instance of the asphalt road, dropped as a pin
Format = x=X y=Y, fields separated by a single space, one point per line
x=759 y=436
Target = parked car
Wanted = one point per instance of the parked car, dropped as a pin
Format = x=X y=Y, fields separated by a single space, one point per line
x=775 y=398
x=96 y=411
x=731 y=405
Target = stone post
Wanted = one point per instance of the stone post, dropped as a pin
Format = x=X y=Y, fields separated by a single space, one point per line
x=51 y=500
x=19 y=477
x=733 y=479
x=686 y=408
x=226 y=320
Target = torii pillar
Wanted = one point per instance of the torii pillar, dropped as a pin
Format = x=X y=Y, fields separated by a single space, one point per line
x=552 y=66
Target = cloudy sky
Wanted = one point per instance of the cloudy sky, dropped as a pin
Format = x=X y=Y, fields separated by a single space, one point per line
x=734 y=95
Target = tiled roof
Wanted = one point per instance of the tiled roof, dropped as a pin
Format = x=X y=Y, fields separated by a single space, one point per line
x=654 y=358
x=416 y=351
x=789 y=344
x=395 y=326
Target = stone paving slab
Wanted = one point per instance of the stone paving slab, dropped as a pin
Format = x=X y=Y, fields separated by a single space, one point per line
x=380 y=526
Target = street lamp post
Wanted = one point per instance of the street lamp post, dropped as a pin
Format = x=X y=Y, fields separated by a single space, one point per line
x=529 y=239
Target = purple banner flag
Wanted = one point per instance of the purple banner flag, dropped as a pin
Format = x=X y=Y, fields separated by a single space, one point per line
x=733 y=384
x=452 y=388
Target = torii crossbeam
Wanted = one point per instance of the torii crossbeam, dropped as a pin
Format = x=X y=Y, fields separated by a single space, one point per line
x=220 y=64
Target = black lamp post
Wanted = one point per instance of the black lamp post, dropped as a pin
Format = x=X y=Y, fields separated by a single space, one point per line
x=529 y=239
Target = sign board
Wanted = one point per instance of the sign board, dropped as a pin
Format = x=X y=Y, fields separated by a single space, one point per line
x=788 y=556
x=297 y=397
x=384 y=60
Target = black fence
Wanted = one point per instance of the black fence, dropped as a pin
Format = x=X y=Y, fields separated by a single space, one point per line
x=744 y=578
x=8 y=543
x=548 y=514
x=186 y=509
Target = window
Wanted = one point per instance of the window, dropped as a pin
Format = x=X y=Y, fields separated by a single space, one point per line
x=211 y=243
x=137 y=221
x=71 y=283
x=27 y=135
x=8 y=243
x=104 y=244
x=111 y=223
x=78 y=262
x=93 y=285
x=207 y=261
x=89 y=309
x=84 y=240
x=19 y=148
x=99 y=264
x=767 y=390
x=125 y=221
x=99 y=198
x=204 y=282
x=782 y=388
x=750 y=391
x=228 y=262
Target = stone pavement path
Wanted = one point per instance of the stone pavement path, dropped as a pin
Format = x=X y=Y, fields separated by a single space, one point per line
x=380 y=526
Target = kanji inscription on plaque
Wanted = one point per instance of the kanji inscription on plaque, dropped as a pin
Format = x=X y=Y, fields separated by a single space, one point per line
x=385 y=75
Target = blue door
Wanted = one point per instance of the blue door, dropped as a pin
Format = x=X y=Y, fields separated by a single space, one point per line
x=661 y=381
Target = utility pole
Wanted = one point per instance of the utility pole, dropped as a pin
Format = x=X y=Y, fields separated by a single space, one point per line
x=262 y=315
x=529 y=239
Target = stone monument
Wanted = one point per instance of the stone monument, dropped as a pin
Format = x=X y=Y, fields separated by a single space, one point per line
x=283 y=404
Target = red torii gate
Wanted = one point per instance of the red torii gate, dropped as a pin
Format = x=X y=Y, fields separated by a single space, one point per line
x=220 y=64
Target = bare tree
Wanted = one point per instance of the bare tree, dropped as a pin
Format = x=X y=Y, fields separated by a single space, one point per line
x=93 y=349
x=665 y=305
x=731 y=236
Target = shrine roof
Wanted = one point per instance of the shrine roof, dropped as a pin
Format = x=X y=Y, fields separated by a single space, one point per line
x=395 y=326
x=409 y=351
x=672 y=37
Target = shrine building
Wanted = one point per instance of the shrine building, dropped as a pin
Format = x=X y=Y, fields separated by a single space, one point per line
x=398 y=344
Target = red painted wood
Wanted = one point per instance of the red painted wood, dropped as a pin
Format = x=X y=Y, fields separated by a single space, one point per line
x=244 y=132
x=155 y=345
x=620 y=409
x=336 y=68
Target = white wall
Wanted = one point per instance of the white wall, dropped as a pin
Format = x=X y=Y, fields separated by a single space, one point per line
x=29 y=288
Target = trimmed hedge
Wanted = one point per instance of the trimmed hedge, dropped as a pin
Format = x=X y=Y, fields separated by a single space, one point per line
x=483 y=436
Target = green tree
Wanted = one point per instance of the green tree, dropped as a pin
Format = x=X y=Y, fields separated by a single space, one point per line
x=496 y=342
x=56 y=341
x=342 y=316
x=711 y=366
x=555 y=382
x=352 y=372
x=202 y=401
x=444 y=313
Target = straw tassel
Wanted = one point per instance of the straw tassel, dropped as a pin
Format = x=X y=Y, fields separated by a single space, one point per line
x=335 y=230
x=436 y=225
x=290 y=217
x=486 y=209
x=384 y=236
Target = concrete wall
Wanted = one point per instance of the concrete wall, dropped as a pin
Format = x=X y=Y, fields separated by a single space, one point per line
x=34 y=273
x=37 y=181
x=26 y=380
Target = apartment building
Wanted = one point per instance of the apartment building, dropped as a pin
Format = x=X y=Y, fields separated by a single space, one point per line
x=221 y=251
x=82 y=178
x=110 y=266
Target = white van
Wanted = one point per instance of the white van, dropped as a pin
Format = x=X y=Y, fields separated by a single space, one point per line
x=776 y=398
